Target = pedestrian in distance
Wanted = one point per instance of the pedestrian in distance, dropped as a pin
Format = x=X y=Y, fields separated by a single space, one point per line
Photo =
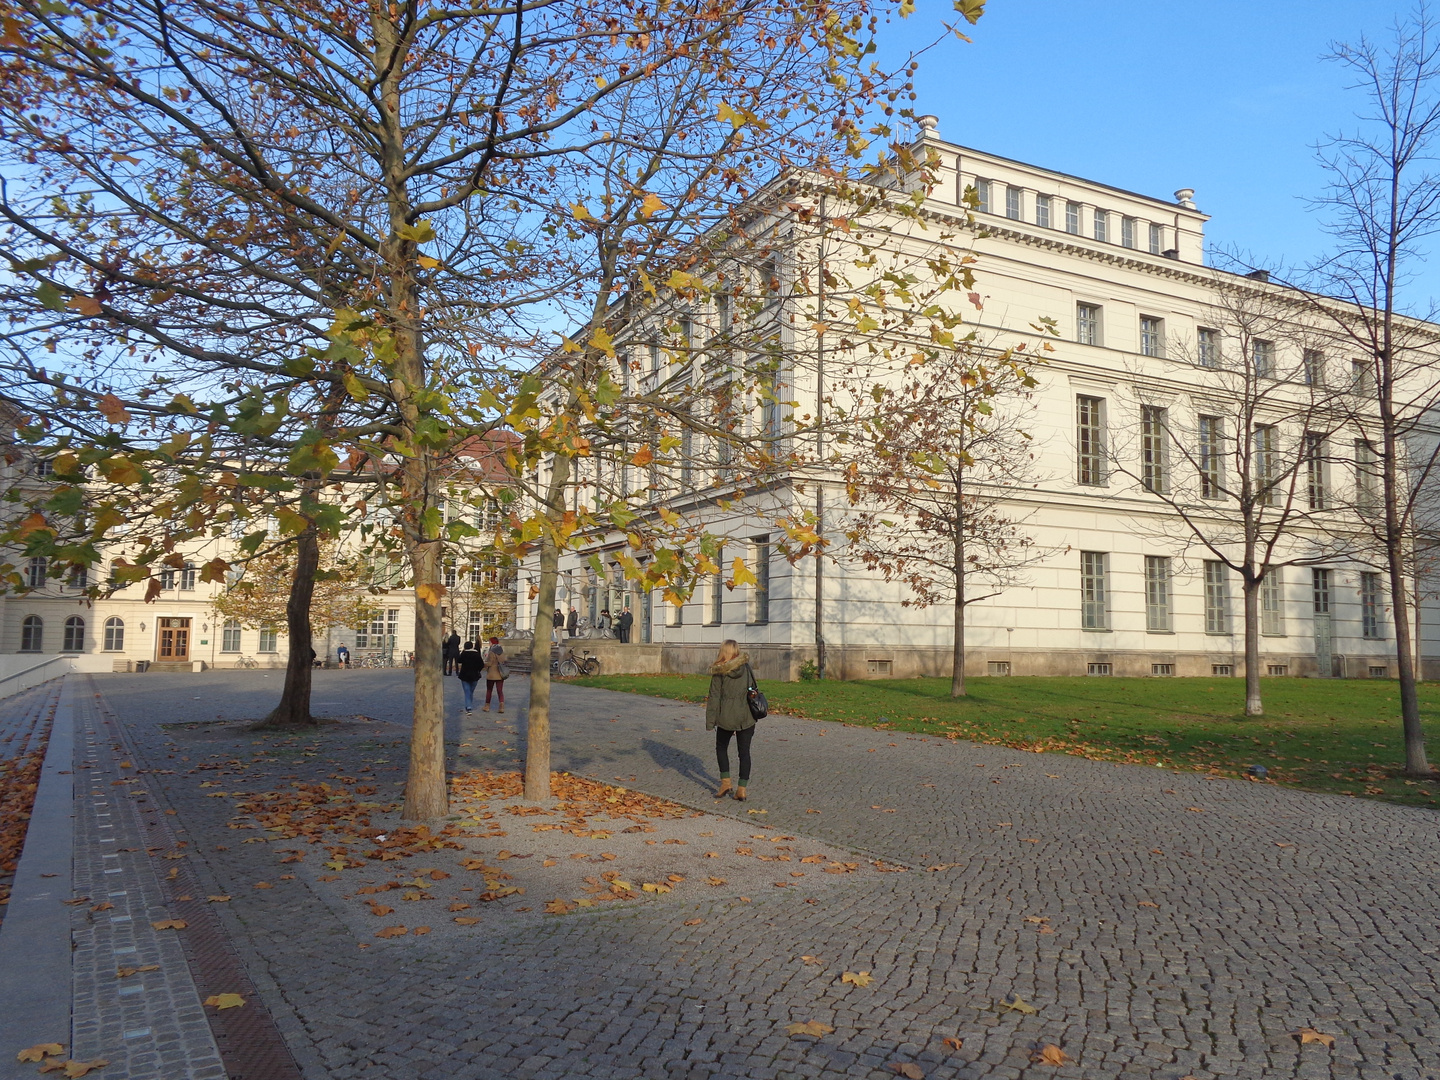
x=623 y=624
x=727 y=713
x=342 y=656
x=603 y=623
x=496 y=672
x=572 y=622
x=468 y=665
x=557 y=624
x=451 y=652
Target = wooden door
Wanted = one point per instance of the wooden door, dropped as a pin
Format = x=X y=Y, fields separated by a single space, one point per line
x=174 y=640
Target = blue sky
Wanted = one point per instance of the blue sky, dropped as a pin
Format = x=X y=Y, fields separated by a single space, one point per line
x=1227 y=97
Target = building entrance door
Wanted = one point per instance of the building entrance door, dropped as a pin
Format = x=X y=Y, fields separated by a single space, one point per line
x=174 y=641
x=1324 y=649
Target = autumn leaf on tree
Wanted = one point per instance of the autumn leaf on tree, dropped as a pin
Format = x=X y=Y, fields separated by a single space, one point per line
x=1050 y=1054
x=857 y=978
x=112 y=408
x=1310 y=1035
x=40 y=1052
x=225 y=1001
x=809 y=1027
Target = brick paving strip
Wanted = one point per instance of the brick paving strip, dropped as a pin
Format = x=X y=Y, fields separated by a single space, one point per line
x=1161 y=924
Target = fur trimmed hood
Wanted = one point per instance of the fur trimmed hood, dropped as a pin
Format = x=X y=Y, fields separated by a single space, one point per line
x=732 y=666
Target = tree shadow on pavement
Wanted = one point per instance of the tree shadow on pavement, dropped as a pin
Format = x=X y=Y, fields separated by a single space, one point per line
x=687 y=765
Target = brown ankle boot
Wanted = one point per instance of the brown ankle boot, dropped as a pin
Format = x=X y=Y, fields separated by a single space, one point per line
x=724 y=788
x=740 y=793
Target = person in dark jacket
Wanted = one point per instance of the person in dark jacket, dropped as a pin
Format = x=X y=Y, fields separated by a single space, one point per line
x=727 y=713
x=468 y=665
x=557 y=623
x=623 y=624
x=572 y=621
x=451 y=652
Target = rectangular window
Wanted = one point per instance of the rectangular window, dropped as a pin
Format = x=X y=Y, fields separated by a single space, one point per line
x=1094 y=590
x=1089 y=440
x=1209 y=341
x=187 y=577
x=1157 y=594
x=230 y=636
x=1013 y=199
x=1267 y=449
x=674 y=614
x=1210 y=457
x=1371 y=607
x=1127 y=232
x=1225 y=670
x=1099 y=669
x=1320 y=590
x=1272 y=615
x=451 y=575
x=79 y=578
x=982 y=195
x=1087 y=324
x=1377 y=672
x=884 y=668
x=1153 y=436
x=269 y=640
x=654 y=356
x=1157 y=239
x=1102 y=222
x=1152 y=336
x=380 y=632
x=723 y=314
x=1042 y=211
x=997 y=667
x=1315 y=469
x=760 y=591
x=35 y=572
x=167 y=578
x=1217 y=597
x=1312 y=367
x=1072 y=218
x=1162 y=669
x=1360 y=380
x=717 y=591
x=1277 y=669
x=1262 y=355
x=1366 y=480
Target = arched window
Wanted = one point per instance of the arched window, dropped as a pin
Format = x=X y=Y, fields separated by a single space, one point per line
x=114 y=634
x=74 y=634
x=32 y=634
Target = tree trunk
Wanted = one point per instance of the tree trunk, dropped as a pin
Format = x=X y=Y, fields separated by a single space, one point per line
x=1253 y=704
x=294 y=707
x=426 y=793
x=537 y=718
x=1416 y=762
x=957 y=657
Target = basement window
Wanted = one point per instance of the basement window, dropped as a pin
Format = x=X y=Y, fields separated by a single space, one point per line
x=1097 y=669
x=1222 y=669
x=997 y=667
x=1277 y=669
x=879 y=667
x=1162 y=669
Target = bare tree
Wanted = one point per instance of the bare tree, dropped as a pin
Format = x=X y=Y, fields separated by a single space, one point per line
x=1246 y=471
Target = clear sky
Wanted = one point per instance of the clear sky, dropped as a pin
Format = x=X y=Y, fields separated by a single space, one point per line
x=1226 y=96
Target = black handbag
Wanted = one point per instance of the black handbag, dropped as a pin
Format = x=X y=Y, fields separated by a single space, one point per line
x=759 y=707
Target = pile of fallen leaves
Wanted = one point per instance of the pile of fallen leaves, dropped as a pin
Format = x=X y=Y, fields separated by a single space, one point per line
x=19 y=780
x=578 y=800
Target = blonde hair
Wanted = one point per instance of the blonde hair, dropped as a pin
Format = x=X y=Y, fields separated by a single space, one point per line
x=728 y=651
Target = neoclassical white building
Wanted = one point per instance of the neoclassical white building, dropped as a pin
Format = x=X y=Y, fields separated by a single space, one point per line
x=1135 y=314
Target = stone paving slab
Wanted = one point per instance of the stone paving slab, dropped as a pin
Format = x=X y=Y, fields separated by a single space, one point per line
x=1162 y=924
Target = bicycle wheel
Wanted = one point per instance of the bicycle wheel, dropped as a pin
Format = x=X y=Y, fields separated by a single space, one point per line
x=554 y=667
x=592 y=665
x=568 y=668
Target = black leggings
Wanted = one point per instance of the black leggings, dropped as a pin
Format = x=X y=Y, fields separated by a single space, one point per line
x=722 y=751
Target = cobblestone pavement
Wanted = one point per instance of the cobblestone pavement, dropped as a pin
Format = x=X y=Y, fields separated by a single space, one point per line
x=1161 y=924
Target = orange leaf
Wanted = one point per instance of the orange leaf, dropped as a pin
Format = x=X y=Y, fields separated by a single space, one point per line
x=169 y=924
x=263 y=885
x=112 y=408
x=391 y=931
x=1050 y=1054
x=40 y=1052
x=225 y=1001
x=642 y=457
x=76 y=1069
x=809 y=1027
x=420 y=930
x=1310 y=1035
x=952 y=1042
x=467 y=920
x=693 y=922
x=85 y=305
x=126 y=972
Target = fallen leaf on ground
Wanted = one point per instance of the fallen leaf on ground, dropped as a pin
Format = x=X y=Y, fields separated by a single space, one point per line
x=420 y=930
x=126 y=972
x=1279 y=844
x=225 y=1001
x=716 y=880
x=549 y=862
x=458 y=905
x=328 y=877
x=1037 y=918
x=76 y=1069
x=809 y=1027
x=263 y=885
x=391 y=931
x=1195 y=809
x=812 y=959
x=467 y=920
x=1050 y=1054
x=1310 y=1035
x=103 y=907
x=907 y=1069
x=1017 y=1003
x=693 y=922
x=40 y=1052
x=77 y=900
x=218 y=899
x=169 y=924
x=952 y=1042
x=380 y=909
x=857 y=978
x=1147 y=903
x=561 y=907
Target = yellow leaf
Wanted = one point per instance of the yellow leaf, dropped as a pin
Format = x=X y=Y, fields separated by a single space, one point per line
x=1018 y=1004
x=431 y=594
x=467 y=920
x=85 y=305
x=427 y=261
x=809 y=1027
x=651 y=206
x=857 y=978
x=225 y=1001
x=678 y=280
x=76 y=1069
x=600 y=338
x=169 y=924
x=218 y=899
x=391 y=931
x=40 y=1052
x=1310 y=1035
x=740 y=573
x=113 y=409
x=581 y=212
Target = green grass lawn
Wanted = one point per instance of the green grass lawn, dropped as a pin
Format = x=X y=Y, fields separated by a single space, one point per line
x=1340 y=736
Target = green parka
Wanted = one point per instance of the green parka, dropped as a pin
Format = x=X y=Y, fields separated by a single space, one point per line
x=728 y=706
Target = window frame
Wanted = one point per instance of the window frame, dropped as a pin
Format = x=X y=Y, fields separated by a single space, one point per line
x=1127 y=231
x=1312 y=367
x=1042 y=211
x=1072 y=217
x=1216 y=578
x=1095 y=591
x=1090 y=441
x=1272 y=605
x=1372 y=606
x=1100 y=225
x=1088 y=324
x=1207 y=347
x=269 y=640
x=1210 y=456
x=1152 y=336
x=1265 y=448
x=982 y=195
x=1262 y=358
x=1157 y=239
x=1154 y=449
x=758 y=606
x=227 y=629
x=32 y=634
x=37 y=572
x=1159 y=608
x=1014 y=203
x=1317 y=474
x=72 y=638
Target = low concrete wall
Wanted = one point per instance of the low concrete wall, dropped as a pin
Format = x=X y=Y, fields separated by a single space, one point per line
x=20 y=672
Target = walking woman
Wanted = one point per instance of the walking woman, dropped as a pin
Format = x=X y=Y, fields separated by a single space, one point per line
x=468 y=664
x=496 y=673
x=727 y=713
